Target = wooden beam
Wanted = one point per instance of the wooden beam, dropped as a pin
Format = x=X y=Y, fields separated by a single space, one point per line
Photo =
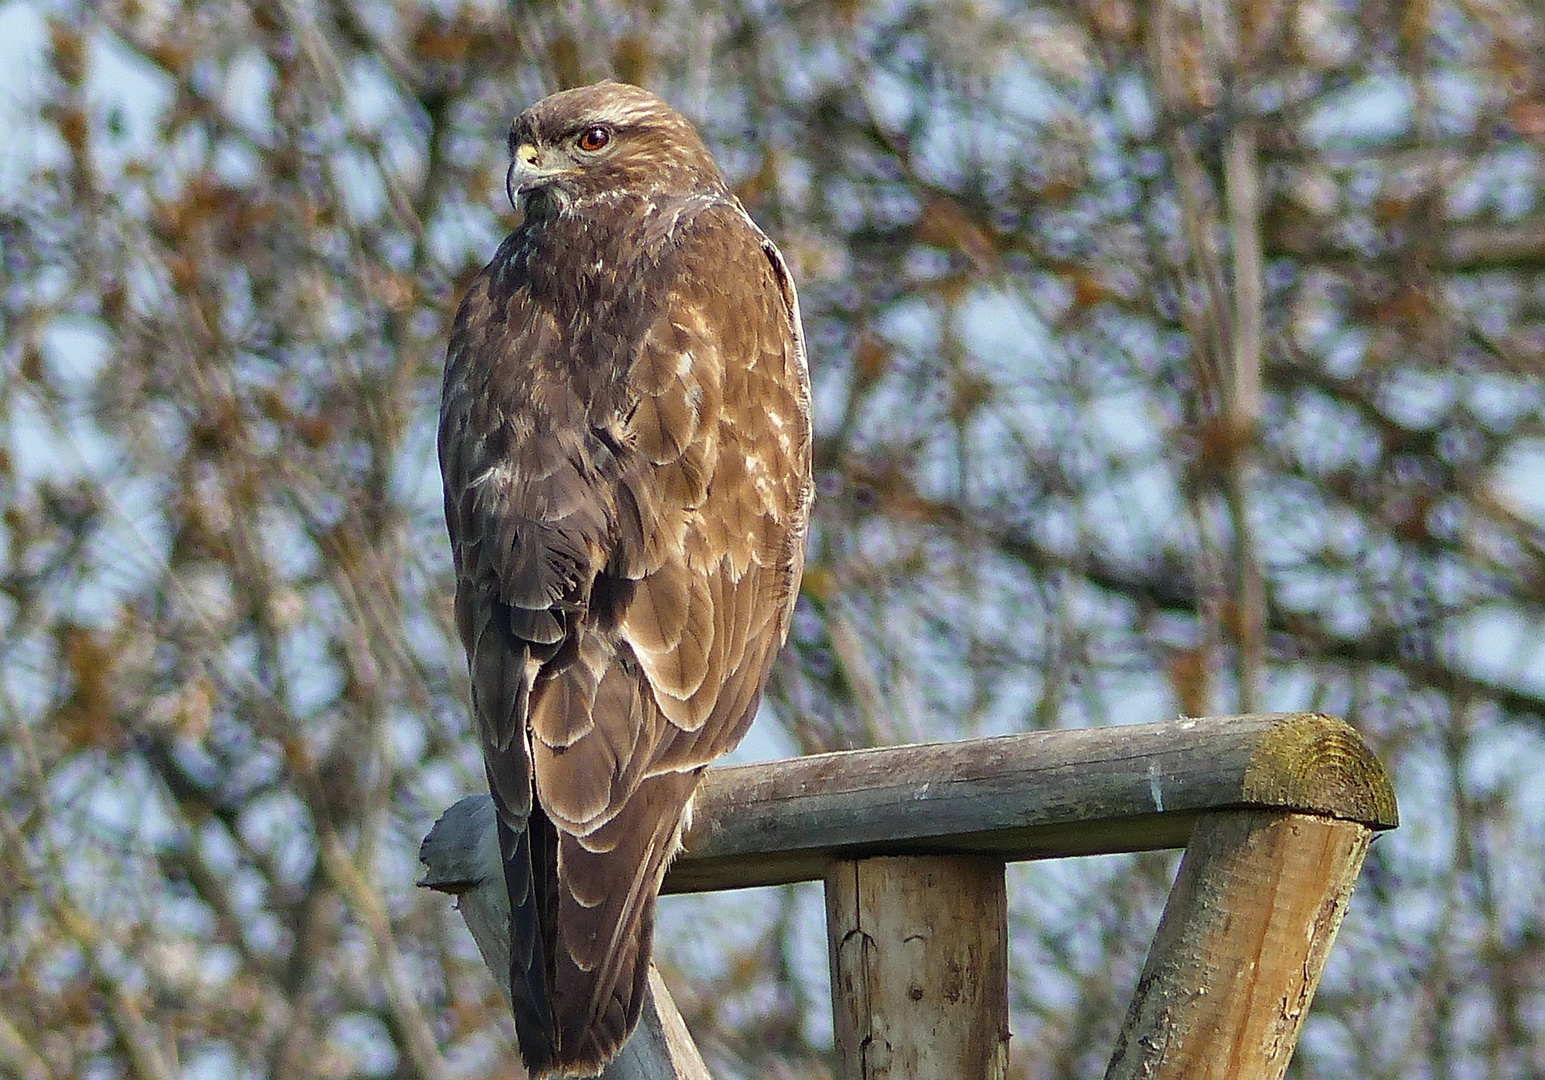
x=919 y=962
x=1038 y=795
x=1240 y=948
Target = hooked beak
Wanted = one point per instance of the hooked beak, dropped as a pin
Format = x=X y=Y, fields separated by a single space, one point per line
x=527 y=173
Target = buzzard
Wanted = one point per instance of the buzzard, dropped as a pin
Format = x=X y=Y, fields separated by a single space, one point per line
x=625 y=445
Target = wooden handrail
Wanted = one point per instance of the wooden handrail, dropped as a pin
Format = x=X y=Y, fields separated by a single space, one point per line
x=1275 y=811
x=1044 y=794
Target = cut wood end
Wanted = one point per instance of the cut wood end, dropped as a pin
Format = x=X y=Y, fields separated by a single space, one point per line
x=1320 y=765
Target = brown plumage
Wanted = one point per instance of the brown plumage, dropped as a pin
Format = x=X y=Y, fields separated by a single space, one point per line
x=625 y=443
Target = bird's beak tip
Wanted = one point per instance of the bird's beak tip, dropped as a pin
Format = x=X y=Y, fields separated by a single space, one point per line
x=526 y=172
x=512 y=187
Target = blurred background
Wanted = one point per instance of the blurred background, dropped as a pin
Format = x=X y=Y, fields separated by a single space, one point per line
x=1169 y=358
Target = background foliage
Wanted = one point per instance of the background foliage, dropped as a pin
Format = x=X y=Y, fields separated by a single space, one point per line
x=1169 y=357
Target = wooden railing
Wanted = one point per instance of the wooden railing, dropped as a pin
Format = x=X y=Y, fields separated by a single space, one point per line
x=1275 y=813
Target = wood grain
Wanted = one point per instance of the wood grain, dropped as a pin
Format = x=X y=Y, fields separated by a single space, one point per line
x=1240 y=948
x=919 y=961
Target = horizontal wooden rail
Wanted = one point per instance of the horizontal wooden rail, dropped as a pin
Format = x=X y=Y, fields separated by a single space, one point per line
x=1039 y=795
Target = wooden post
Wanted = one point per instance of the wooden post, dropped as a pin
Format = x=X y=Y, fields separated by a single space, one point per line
x=1241 y=946
x=919 y=961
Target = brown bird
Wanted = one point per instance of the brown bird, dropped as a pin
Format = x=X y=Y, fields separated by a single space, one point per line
x=625 y=444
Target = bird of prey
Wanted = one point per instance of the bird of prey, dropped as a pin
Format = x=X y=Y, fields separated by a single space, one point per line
x=625 y=442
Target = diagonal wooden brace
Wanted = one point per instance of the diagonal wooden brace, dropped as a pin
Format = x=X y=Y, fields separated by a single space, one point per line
x=1240 y=948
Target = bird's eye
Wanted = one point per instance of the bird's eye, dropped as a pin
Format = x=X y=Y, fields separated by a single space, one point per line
x=593 y=139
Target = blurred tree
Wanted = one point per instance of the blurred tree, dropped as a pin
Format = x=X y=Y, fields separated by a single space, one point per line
x=1171 y=356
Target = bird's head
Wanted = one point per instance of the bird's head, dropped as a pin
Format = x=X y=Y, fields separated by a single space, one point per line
x=596 y=144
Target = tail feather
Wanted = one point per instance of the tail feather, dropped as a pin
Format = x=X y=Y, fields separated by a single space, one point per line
x=530 y=968
x=601 y=966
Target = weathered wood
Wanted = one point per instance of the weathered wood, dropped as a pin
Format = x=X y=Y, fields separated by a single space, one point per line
x=461 y=857
x=1038 y=795
x=1240 y=948
x=1282 y=809
x=919 y=963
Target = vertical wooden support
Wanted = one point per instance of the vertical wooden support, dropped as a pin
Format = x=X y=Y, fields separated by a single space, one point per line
x=1241 y=946
x=919 y=961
